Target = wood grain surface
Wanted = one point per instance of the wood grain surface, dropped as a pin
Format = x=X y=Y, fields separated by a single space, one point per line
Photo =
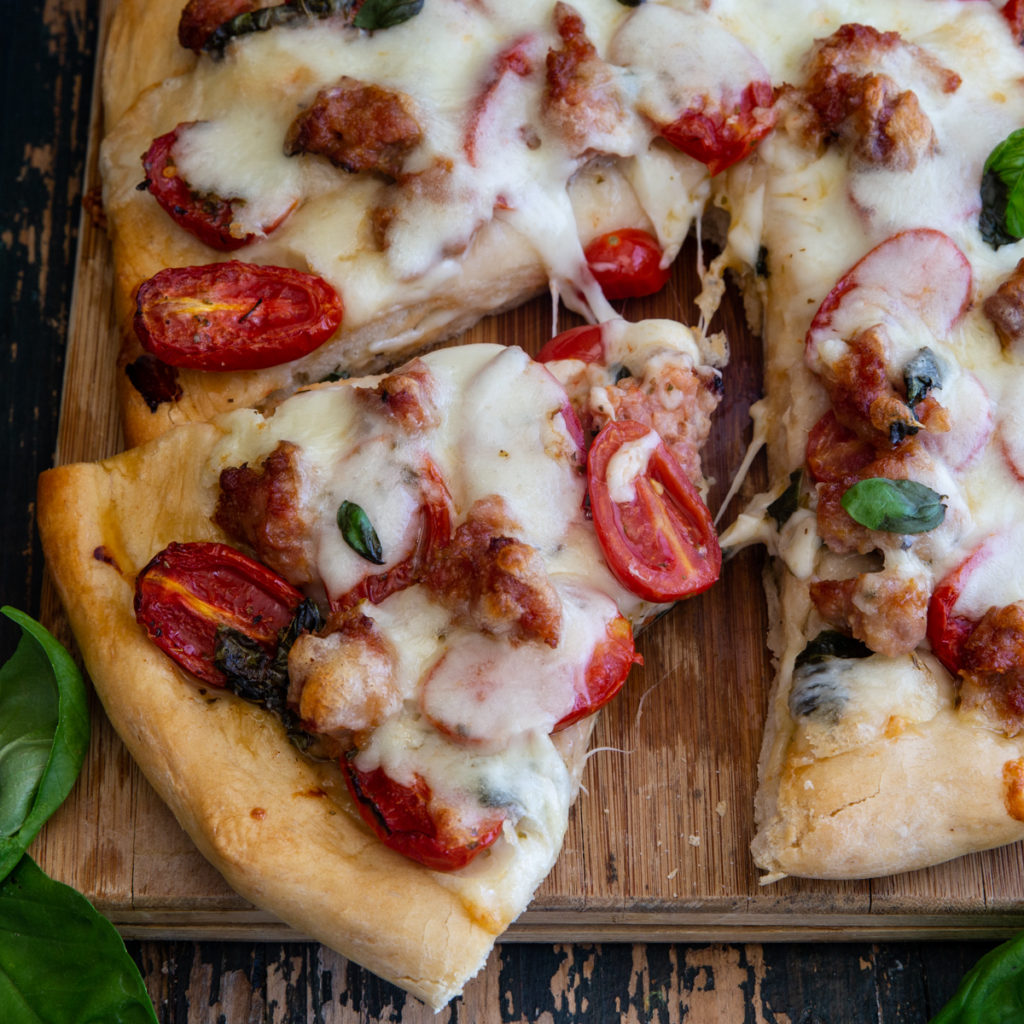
x=684 y=797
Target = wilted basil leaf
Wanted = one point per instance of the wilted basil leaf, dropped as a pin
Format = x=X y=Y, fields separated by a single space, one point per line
x=60 y=961
x=359 y=533
x=830 y=643
x=921 y=375
x=44 y=733
x=1002 y=192
x=894 y=506
x=788 y=501
x=375 y=14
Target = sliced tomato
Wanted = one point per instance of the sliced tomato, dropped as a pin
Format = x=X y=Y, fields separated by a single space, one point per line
x=613 y=657
x=208 y=217
x=434 y=532
x=411 y=821
x=917 y=277
x=722 y=132
x=834 y=452
x=234 y=315
x=627 y=263
x=188 y=591
x=660 y=543
x=584 y=343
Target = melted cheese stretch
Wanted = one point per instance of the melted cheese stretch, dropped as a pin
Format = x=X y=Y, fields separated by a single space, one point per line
x=501 y=433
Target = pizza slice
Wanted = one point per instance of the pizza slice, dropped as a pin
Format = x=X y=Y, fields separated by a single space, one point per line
x=894 y=735
x=287 y=222
x=357 y=645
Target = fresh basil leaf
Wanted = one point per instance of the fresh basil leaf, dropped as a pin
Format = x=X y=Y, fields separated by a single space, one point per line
x=894 y=506
x=921 y=375
x=44 y=733
x=992 y=991
x=359 y=533
x=60 y=961
x=375 y=14
x=1002 y=192
x=788 y=501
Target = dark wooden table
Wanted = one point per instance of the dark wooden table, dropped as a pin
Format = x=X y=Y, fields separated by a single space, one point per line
x=48 y=53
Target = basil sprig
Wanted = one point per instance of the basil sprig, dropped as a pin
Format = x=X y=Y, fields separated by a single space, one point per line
x=1002 y=192
x=358 y=532
x=44 y=734
x=60 y=961
x=992 y=991
x=894 y=506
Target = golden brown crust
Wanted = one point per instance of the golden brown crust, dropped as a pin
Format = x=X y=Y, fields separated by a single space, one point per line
x=279 y=827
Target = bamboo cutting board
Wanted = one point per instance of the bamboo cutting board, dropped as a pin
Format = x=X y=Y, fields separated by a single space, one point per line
x=657 y=847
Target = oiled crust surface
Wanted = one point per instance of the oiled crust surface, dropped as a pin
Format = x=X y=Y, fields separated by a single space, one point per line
x=279 y=827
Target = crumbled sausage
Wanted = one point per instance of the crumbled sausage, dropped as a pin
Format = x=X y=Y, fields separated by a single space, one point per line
x=1005 y=308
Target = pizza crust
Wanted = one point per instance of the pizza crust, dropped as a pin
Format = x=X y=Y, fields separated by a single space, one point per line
x=279 y=827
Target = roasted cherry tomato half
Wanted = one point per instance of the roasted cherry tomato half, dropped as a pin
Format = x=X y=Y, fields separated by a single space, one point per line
x=188 y=590
x=655 y=531
x=721 y=134
x=613 y=657
x=583 y=343
x=234 y=316
x=208 y=217
x=410 y=821
x=627 y=263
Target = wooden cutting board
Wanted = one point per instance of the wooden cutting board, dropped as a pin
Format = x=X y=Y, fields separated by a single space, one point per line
x=657 y=846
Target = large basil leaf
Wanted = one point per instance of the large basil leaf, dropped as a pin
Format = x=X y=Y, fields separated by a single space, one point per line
x=44 y=733
x=992 y=991
x=1002 y=192
x=894 y=506
x=60 y=961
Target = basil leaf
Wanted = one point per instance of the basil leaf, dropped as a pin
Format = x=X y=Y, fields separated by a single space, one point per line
x=992 y=991
x=894 y=506
x=262 y=19
x=830 y=643
x=386 y=13
x=359 y=533
x=60 y=961
x=1002 y=192
x=921 y=375
x=44 y=733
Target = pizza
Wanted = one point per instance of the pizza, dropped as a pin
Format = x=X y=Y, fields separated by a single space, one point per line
x=357 y=644
x=307 y=200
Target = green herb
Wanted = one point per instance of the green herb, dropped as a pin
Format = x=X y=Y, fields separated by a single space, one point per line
x=44 y=733
x=894 y=506
x=788 y=501
x=830 y=643
x=374 y=14
x=992 y=991
x=921 y=375
x=761 y=266
x=1002 y=192
x=60 y=961
x=359 y=533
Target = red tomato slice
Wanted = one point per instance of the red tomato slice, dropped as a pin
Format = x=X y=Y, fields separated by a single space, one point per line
x=584 y=343
x=188 y=590
x=435 y=531
x=834 y=452
x=234 y=316
x=410 y=821
x=661 y=544
x=606 y=673
x=722 y=133
x=627 y=263
x=919 y=277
